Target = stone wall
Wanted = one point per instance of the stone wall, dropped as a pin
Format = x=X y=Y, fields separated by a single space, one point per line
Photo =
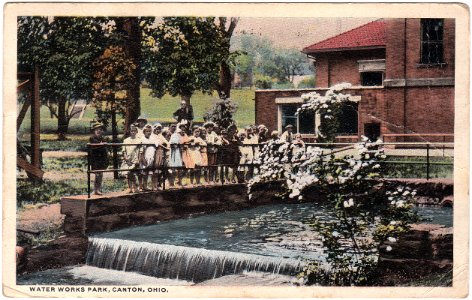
x=427 y=249
x=118 y=210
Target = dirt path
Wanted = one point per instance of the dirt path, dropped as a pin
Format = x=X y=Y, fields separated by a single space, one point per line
x=64 y=154
x=40 y=218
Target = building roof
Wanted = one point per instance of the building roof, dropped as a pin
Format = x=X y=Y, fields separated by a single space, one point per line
x=367 y=36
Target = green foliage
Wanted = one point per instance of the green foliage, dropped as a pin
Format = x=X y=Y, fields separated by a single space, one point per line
x=261 y=57
x=28 y=192
x=286 y=63
x=263 y=82
x=184 y=56
x=69 y=164
x=67 y=145
x=49 y=191
x=308 y=82
x=113 y=78
x=366 y=216
x=329 y=125
x=283 y=85
x=409 y=170
x=156 y=109
x=46 y=234
x=63 y=48
x=222 y=113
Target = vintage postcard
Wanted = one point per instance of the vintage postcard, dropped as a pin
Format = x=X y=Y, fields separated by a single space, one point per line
x=274 y=150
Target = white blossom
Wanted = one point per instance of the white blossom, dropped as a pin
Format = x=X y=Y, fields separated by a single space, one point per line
x=389 y=248
x=392 y=239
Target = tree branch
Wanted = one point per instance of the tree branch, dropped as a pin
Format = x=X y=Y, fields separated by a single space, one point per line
x=232 y=26
x=51 y=109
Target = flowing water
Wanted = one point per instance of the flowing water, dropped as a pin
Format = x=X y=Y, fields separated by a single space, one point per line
x=274 y=239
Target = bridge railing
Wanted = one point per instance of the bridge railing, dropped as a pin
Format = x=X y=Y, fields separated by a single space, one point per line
x=226 y=169
x=243 y=164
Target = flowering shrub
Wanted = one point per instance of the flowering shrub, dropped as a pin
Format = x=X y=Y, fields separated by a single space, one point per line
x=365 y=214
x=221 y=113
x=328 y=106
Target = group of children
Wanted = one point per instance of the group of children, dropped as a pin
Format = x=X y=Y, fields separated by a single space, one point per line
x=208 y=152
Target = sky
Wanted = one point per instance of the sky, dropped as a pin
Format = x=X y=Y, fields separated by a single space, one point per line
x=297 y=32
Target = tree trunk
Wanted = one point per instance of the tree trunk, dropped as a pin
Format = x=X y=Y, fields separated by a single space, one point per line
x=62 y=120
x=132 y=45
x=114 y=133
x=186 y=98
x=224 y=86
x=225 y=81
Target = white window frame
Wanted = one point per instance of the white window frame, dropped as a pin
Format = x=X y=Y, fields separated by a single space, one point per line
x=294 y=100
x=299 y=100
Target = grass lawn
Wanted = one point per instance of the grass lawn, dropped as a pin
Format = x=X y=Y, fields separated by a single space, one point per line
x=155 y=109
x=418 y=170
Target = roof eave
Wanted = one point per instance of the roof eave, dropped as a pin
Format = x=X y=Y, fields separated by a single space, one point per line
x=311 y=51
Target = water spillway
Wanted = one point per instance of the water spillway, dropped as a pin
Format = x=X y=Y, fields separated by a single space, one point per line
x=273 y=239
x=270 y=239
x=178 y=262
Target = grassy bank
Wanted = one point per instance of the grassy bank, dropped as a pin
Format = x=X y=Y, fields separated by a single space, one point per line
x=404 y=167
x=155 y=109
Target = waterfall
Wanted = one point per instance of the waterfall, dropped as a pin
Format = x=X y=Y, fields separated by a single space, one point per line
x=178 y=262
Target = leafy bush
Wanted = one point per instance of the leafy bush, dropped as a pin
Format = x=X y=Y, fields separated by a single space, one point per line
x=308 y=82
x=222 y=113
x=329 y=107
x=283 y=85
x=30 y=192
x=263 y=82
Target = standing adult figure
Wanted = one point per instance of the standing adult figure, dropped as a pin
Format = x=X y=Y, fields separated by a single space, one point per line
x=185 y=112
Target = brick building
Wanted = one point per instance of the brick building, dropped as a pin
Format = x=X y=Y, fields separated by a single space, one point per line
x=402 y=76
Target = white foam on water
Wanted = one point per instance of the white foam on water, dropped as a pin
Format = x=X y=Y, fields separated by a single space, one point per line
x=179 y=262
x=107 y=276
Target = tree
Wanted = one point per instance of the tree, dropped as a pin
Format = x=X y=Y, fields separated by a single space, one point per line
x=114 y=78
x=186 y=56
x=256 y=57
x=64 y=49
x=227 y=57
x=129 y=33
x=288 y=63
x=262 y=58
